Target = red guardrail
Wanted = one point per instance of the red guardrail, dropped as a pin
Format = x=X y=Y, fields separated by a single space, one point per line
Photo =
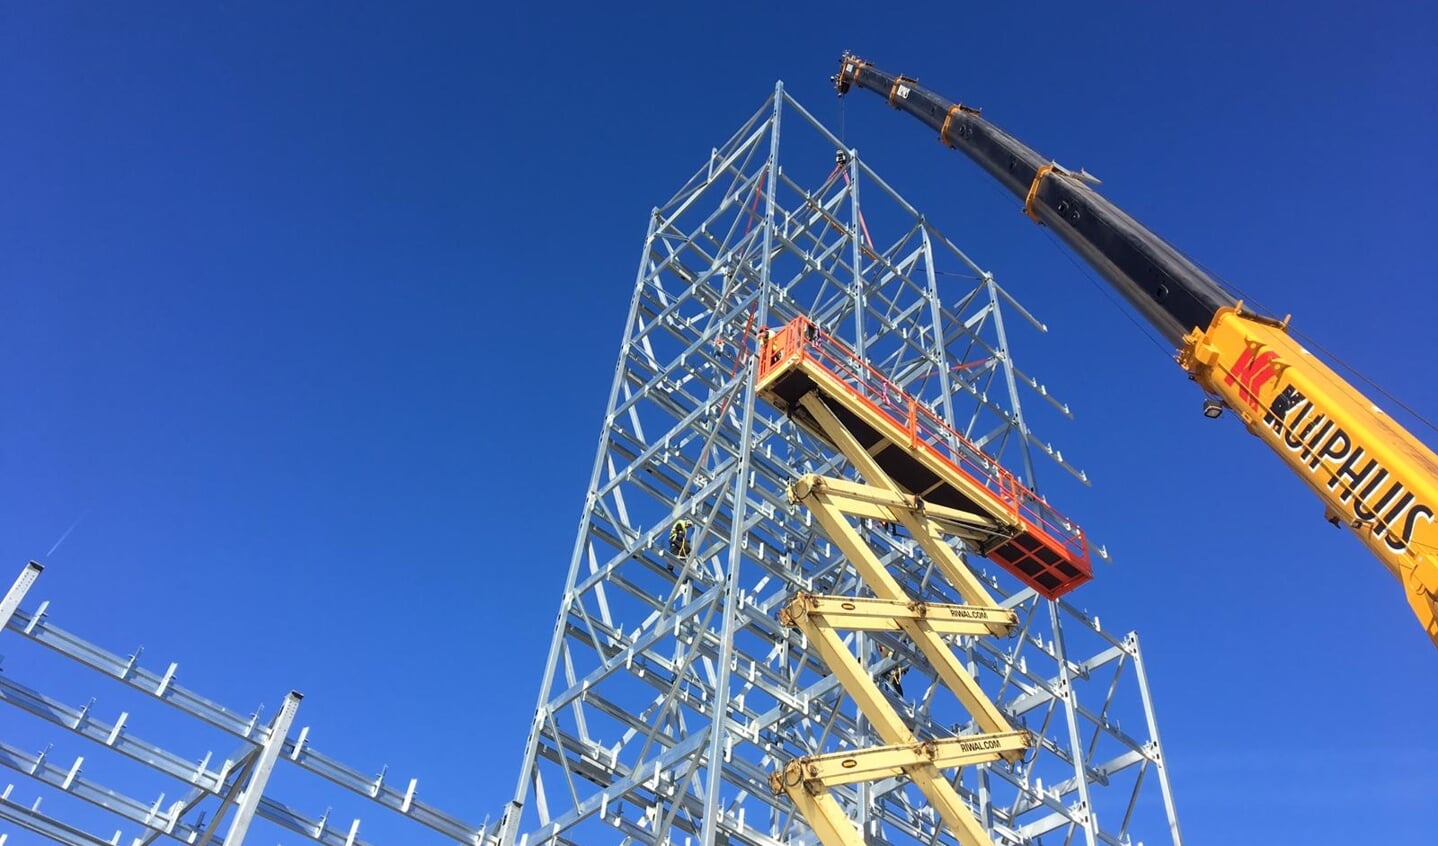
x=926 y=430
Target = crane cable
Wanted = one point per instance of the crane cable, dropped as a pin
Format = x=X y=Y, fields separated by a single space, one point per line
x=1107 y=293
x=842 y=167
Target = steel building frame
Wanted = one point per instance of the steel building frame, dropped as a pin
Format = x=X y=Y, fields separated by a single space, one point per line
x=672 y=690
x=223 y=795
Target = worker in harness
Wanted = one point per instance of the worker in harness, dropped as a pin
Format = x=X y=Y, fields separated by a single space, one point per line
x=894 y=675
x=679 y=538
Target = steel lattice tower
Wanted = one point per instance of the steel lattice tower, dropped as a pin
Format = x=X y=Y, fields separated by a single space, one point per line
x=672 y=689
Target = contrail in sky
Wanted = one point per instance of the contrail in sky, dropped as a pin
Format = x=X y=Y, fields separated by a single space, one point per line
x=67 y=533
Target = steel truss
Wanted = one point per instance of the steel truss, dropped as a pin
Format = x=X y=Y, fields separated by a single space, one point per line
x=222 y=795
x=673 y=691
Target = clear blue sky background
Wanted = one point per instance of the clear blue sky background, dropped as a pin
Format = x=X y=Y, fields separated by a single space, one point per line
x=311 y=309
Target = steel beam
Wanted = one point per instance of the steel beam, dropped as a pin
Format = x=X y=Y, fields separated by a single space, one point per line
x=130 y=672
x=17 y=592
x=53 y=830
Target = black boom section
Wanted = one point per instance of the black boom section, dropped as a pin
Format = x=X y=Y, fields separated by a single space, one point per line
x=1168 y=289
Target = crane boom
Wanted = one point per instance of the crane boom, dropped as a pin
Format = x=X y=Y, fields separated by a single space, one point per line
x=1373 y=476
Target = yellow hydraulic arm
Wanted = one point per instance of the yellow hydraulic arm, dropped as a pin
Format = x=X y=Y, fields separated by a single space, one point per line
x=1373 y=476
x=808 y=781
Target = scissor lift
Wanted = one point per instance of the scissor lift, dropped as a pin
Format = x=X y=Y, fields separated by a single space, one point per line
x=923 y=475
x=924 y=456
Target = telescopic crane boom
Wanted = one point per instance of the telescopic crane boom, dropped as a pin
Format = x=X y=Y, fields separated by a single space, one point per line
x=1373 y=476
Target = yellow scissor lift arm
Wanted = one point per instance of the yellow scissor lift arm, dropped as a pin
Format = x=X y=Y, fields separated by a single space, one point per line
x=908 y=470
x=807 y=781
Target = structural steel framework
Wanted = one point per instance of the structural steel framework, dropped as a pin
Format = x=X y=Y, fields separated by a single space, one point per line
x=716 y=691
x=685 y=679
x=218 y=797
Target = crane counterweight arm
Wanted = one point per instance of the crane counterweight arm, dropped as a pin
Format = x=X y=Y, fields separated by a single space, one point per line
x=1373 y=476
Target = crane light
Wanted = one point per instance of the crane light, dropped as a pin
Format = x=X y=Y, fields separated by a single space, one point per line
x=1212 y=408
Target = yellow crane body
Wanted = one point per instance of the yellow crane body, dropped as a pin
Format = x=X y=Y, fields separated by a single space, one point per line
x=1375 y=477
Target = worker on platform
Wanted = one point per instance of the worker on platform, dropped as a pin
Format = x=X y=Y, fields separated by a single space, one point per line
x=893 y=676
x=679 y=538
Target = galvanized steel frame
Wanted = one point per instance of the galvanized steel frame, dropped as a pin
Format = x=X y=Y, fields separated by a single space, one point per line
x=653 y=674
x=671 y=691
x=233 y=789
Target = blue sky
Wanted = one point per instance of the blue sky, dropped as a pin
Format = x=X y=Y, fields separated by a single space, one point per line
x=310 y=314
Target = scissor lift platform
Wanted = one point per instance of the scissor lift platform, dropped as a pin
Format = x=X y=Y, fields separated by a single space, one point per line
x=922 y=454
